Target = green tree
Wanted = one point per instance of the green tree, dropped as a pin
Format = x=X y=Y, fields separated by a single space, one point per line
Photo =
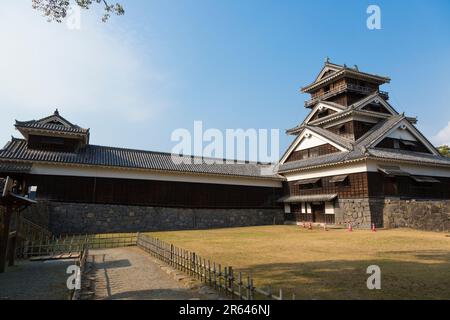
x=56 y=10
x=444 y=150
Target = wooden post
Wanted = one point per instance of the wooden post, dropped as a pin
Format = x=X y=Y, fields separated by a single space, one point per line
x=220 y=276
x=231 y=280
x=249 y=289
x=225 y=279
x=15 y=241
x=5 y=237
x=240 y=285
x=215 y=275
x=193 y=264
x=209 y=273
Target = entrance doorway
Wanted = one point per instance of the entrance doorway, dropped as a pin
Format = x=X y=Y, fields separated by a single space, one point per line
x=318 y=212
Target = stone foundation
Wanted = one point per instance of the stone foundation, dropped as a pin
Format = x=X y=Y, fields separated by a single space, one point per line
x=433 y=215
x=77 y=218
x=360 y=212
x=424 y=215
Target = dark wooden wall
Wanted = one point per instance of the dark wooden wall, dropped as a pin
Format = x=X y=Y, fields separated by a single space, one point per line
x=352 y=129
x=312 y=152
x=406 y=187
x=356 y=187
x=53 y=143
x=375 y=184
x=388 y=143
x=152 y=193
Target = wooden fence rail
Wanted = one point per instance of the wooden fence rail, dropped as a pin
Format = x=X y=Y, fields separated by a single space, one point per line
x=71 y=244
x=81 y=263
x=222 y=278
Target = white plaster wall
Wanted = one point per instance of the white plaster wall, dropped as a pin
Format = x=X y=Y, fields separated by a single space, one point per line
x=329 y=208
x=402 y=134
x=46 y=169
x=310 y=142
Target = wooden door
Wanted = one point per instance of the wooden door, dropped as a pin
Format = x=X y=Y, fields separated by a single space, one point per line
x=318 y=212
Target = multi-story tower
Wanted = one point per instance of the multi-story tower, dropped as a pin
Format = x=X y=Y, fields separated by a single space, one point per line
x=354 y=150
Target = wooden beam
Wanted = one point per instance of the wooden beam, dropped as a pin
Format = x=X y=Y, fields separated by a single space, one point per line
x=4 y=238
x=14 y=241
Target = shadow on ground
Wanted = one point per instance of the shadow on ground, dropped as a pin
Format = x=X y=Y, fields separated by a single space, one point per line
x=154 y=294
x=427 y=277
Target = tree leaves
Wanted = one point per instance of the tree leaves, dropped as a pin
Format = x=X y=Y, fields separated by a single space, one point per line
x=56 y=10
x=444 y=150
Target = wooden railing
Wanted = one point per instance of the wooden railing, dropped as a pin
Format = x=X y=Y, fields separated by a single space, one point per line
x=31 y=231
x=81 y=263
x=308 y=217
x=75 y=243
x=345 y=87
x=224 y=279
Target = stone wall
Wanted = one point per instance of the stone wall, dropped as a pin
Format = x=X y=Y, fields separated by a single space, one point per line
x=360 y=212
x=423 y=215
x=433 y=215
x=76 y=218
x=38 y=213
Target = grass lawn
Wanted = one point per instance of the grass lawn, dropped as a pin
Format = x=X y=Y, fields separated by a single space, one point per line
x=331 y=264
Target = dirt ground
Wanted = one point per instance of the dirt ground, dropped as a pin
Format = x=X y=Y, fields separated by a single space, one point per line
x=132 y=274
x=35 y=281
x=319 y=264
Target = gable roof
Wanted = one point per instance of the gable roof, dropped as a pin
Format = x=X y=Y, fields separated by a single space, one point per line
x=342 y=143
x=54 y=123
x=356 y=108
x=375 y=137
x=340 y=71
x=365 y=148
x=328 y=68
x=101 y=156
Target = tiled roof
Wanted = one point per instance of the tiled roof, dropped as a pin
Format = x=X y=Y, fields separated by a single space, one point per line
x=416 y=157
x=343 y=70
x=362 y=149
x=308 y=198
x=345 y=112
x=59 y=124
x=15 y=167
x=378 y=130
x=92 y=155
x=332 y=158
x=50 y=126
x=344 y=142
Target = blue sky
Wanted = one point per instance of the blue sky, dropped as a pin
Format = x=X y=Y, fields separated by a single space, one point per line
x=231 y=64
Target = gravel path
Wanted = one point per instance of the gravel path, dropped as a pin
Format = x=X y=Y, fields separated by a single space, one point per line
x=35 y=281
x=132 y=274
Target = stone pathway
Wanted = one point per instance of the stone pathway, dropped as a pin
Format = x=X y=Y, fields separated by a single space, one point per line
x=132 y=274
x=35 y=281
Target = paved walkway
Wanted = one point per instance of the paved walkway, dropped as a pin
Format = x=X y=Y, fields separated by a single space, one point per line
x=35 y=281
x=132 y=274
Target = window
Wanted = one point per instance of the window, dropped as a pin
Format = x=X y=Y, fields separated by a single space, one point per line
x=341 y=181
x=307 y=184
x=313 y=152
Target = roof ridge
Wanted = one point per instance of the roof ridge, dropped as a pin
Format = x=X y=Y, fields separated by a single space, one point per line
x=394 y=118
x=175 y=154
x=334 y=137
x=226 y=161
